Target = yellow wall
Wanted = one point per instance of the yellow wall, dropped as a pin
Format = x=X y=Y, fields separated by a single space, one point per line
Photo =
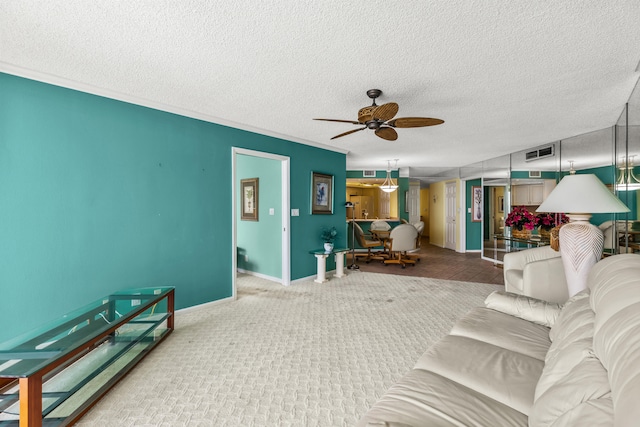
x=393 y=204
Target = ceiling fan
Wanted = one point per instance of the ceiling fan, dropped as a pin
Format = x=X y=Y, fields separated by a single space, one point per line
x=379 y=117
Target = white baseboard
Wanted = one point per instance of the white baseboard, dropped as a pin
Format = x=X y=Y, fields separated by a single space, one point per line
x=205 y=304
x=260 y=275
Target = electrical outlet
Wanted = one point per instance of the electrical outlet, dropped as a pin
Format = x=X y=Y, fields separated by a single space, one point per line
x=295 y=212
x=135 y=302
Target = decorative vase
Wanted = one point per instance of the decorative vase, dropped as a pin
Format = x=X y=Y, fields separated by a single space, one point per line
x=521 y=234
x=328 y=247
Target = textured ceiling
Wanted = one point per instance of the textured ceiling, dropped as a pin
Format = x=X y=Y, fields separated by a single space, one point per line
x=504 y=75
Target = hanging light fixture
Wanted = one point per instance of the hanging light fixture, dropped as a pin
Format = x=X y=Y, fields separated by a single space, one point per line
x=627 y=181
x=388 y=186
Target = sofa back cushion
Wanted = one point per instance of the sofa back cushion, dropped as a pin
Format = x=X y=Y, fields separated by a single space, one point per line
x=573 y=387
x=615 y=298
x=593 y=363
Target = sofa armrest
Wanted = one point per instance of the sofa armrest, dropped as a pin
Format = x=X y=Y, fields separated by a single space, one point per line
x=527 y=308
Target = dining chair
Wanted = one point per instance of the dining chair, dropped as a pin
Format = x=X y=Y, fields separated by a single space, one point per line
x=402 y=239
x=368 y=242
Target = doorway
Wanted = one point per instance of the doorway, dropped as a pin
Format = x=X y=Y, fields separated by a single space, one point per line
x=450 y=215
x=280 y=203
x=496 y=204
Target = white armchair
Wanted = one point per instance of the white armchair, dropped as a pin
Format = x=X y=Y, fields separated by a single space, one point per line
x=611 y=234
x=537 y=273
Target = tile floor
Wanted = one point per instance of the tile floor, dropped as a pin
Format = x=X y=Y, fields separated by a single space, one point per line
x=440 y=263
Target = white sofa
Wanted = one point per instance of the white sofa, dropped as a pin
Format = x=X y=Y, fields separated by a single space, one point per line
x=501 y=365
x=537 y=273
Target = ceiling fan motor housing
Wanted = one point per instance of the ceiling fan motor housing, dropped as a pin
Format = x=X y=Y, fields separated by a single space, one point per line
x=366 y=113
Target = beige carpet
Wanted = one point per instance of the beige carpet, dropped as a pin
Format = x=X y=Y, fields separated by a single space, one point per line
x=306 y=355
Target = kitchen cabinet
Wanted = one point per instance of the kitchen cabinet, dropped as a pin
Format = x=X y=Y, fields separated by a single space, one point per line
x=531 y=194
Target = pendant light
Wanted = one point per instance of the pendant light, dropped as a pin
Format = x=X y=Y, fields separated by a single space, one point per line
x=388 y=186
x=627 y=181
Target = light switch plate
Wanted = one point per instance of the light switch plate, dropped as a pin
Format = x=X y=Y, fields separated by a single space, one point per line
x=295 y=212
x=272 y=211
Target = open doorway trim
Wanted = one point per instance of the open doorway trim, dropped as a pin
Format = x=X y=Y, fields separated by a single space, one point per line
x=286 y=239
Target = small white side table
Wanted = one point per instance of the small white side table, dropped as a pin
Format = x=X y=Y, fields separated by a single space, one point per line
x=321 y=258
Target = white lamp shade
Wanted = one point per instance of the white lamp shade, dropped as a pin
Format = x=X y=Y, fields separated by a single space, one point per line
x=582 y=193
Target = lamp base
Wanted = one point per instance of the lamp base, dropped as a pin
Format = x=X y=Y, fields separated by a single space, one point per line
x=581 y=245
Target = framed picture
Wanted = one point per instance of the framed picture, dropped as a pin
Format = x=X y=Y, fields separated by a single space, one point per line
x=500 y=203
x=476 y=204
x=249 y=199
x=321 y=193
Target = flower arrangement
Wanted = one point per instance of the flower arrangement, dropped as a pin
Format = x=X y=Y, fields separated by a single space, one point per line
x=520 y=218
x=328 y=235
x=547 y=221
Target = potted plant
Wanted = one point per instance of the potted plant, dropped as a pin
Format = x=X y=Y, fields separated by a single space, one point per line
x=328 y=236
x=548 y=221
x=521 y=221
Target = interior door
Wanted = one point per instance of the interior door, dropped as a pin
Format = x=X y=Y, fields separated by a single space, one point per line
x=414 y=203
x=450 y=215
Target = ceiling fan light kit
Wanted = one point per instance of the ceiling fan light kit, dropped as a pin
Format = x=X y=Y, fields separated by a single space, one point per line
x=380 y=119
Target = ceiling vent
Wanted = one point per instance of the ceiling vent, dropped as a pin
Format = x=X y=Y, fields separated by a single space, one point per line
x=369 y=174
x=539 y=153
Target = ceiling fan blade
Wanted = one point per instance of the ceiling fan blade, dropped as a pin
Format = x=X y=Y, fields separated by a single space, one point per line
x=389 y=134
x=414 y=122
x=348 y=133
x=339 y=121
x=385 y=111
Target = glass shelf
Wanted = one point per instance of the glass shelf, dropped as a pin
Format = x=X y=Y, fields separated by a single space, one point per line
x=71 y=362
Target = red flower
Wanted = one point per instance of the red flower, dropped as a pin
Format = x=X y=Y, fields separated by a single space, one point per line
x=548 y=221
x=520 y=218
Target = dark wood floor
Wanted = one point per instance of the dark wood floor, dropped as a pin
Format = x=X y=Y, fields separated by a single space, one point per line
x=440 y=263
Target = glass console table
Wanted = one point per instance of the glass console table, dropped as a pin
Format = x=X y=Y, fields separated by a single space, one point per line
x=515 y=244
x=53 y=375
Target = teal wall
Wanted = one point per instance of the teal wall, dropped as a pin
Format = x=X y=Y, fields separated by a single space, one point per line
x=261 y=240
x=474 y=229
x=403 y=187
x=99 y=195
x=525 y=175
x=379 y=174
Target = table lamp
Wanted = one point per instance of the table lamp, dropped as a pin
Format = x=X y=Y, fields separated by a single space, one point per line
x=581 y=242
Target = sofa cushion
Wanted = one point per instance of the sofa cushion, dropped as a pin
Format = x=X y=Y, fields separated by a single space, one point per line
x=572 y=341
x=503 y=330
x=423 y=398
x=525 y=307
x=615 y=298
x=569 y=397
x=503 y=375
x=573 y=316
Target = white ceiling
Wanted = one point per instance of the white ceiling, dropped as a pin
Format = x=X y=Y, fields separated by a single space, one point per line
x=504 y=75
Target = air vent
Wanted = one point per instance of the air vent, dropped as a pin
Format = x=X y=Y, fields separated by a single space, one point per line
x=539 y=153
x=369 y=174
x=535 y=174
